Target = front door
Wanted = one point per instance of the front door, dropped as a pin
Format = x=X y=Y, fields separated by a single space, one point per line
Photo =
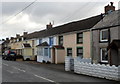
x=53 y=55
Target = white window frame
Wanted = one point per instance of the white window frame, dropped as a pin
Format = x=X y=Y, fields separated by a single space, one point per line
x=106 y=61
x=101 y=35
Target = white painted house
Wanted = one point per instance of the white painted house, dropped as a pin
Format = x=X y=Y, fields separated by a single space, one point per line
x=44 y=48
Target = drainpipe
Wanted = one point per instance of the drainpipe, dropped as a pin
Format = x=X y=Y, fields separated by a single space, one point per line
x=91 y=44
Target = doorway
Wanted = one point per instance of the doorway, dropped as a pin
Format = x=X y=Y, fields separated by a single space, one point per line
x=53 y=55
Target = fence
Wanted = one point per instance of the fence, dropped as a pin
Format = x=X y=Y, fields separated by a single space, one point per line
x=96 y=70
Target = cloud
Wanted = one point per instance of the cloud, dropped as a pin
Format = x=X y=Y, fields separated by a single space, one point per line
x=39 y=14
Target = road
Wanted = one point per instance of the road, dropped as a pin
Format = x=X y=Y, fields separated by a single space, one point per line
x=13 y=71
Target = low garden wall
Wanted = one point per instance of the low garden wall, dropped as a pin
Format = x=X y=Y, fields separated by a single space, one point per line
x=96 y=70
x=67 y=63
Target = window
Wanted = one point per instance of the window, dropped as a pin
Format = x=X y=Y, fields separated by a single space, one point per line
x=104 y=35
x=60 y=40
x=40 y=51
x=40 y=41
x=80 y=52
x=79 y=38
x=104 y=55
x=45 y=51
x=69 y=51
x=51 y=41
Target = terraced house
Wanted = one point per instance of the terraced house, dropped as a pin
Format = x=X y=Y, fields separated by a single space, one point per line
x=53 y=44
x=21 y=46
x=29 y=47
x=106 y=39
x=71 y=39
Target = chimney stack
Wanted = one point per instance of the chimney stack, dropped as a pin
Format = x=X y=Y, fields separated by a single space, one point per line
x=49 y=26
x=109 y=8
x=3 y=39
x=17 y=35
x=7 y=39
x=12 y=38
x=25 y=33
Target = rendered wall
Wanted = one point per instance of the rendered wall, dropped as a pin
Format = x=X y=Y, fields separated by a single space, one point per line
x=60 y=56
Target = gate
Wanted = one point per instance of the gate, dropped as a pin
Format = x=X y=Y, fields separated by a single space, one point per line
x=72 y=64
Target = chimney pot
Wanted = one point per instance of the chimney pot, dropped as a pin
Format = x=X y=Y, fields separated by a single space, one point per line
x=12 y=38
x=7 y=38
x=3 y=39
x=49 y=26
x=111 y=3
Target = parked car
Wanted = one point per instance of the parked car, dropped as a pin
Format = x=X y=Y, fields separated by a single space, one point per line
x=9 y=55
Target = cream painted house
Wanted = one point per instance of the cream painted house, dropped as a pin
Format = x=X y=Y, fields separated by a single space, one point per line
x=70 y=44
x=75 y=37
x=31 y=48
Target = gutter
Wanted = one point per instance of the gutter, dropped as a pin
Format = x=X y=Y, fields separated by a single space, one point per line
x=106 y=27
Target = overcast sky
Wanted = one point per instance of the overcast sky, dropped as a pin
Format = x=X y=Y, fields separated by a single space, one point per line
x=35 y=17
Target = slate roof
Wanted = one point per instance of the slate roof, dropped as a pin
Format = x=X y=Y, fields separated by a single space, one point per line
x=6 y=42
x=26 y=45
x=111 y=19
x=115 y=44
x=69 y=27
x=43 y=44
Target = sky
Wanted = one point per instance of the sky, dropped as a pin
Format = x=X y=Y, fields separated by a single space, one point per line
x=41 y=12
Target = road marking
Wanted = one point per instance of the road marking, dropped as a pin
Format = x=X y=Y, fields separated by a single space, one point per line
x=5 y=64
x=18 y=69
x=44 y=78
x=10 y=71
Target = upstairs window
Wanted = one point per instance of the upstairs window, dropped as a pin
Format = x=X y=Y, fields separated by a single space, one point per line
x=79 y=38
x=40 y=41
x=80 y=52
x=51 y=41
x=60 y=40
x=104 y=35
x=104 y=55
x=69 y=51
x=46 y=52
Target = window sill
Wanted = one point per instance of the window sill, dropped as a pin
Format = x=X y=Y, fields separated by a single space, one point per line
x=80 y=43
x=103 y=62
x=103 y=41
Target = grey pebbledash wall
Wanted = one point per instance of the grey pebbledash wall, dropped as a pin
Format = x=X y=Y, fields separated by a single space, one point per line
x=114 y=34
